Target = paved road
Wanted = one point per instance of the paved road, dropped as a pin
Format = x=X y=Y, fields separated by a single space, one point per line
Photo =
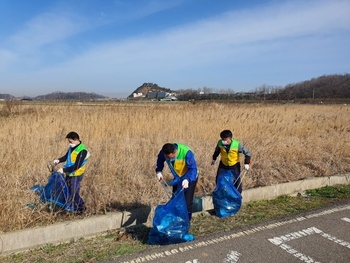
x=319 y=236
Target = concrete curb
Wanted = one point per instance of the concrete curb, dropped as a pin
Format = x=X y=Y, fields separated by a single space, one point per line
x=72 y=230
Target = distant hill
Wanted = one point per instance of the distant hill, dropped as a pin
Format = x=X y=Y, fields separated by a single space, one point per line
x=324 y=87
x=69 y=96
x=58 y=96
x=147 y=87
x=333 y=87
x=328 y=87
x=6 y=97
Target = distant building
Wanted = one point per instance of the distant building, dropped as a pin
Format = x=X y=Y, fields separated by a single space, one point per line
x=170 y=98
x=137 y=95
x=156 y=95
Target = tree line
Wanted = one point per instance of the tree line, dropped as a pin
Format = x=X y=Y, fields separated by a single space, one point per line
x=327 y=87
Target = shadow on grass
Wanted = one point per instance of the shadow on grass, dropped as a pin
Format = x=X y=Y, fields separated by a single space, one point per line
x=139 y=232
x=135 y=216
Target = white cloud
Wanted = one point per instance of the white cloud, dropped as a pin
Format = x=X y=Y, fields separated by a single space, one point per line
x=292 y=30
x=45 y=29
x=228 y=35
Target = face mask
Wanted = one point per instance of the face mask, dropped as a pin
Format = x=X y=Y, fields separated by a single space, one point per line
x=224 y=142
x=172 y=159
x=72 y=145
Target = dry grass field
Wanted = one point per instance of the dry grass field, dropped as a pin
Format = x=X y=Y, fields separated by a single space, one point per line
x=288 y=142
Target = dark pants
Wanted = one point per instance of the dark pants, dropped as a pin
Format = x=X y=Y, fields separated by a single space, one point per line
x=189 y=194
x=236 y=172
x=73 y=183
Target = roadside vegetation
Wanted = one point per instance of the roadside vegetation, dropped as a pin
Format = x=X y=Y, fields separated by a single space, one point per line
x=288 y=142
x=126 y=241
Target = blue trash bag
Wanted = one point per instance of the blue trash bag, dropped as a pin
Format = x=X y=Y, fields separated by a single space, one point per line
x=226 y=198
x=55 y=192
x=170 y=222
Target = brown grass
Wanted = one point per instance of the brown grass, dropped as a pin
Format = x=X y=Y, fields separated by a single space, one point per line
x=287 y=142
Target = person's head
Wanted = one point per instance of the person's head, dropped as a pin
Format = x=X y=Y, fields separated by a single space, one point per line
x=169 y=151
x=73 y=139
x=226 y=137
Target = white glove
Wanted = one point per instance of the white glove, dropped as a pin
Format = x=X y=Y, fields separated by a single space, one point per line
x=246 y=167
x=212 y=162
x=159 y=176
x=60 y=171
x=55 y=162
x=185 y=184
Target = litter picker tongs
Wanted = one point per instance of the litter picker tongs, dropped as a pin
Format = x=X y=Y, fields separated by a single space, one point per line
x=166 y=187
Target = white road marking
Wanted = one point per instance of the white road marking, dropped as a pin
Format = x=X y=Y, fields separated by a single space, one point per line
x=281 y=242
x=194 y=245
x=232 y=257
x=346 y=219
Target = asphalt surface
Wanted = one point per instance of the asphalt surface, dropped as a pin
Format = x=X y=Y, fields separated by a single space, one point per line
x=321 y=235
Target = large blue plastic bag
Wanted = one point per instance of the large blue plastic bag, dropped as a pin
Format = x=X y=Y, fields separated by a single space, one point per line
x=170 y=222
x=226 y=198
x=55 y=192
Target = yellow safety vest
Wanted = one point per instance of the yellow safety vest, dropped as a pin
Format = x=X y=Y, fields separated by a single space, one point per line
x=230 y=157
x=72 y=157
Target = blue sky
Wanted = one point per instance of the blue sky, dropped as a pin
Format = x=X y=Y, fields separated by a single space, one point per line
x=111 y=47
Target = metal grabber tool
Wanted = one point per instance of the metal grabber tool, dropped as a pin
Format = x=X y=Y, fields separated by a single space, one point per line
x=166 y=187
x=242 y=175
x=50 y=166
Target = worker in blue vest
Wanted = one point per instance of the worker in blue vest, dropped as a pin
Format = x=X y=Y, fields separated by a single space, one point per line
x=229 y=150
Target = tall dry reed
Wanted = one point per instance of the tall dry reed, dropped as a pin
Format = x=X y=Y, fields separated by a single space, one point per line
x=287 y=142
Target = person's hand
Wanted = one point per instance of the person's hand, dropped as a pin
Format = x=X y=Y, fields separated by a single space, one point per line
x=159 y=176
x=246 y=167
x=212 y=162
x=55 y=162
x=185 y=184
x=60 y=171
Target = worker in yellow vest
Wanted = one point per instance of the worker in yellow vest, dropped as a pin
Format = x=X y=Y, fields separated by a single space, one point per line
x=229 y=150
x=74 y=169
x=183 y=166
